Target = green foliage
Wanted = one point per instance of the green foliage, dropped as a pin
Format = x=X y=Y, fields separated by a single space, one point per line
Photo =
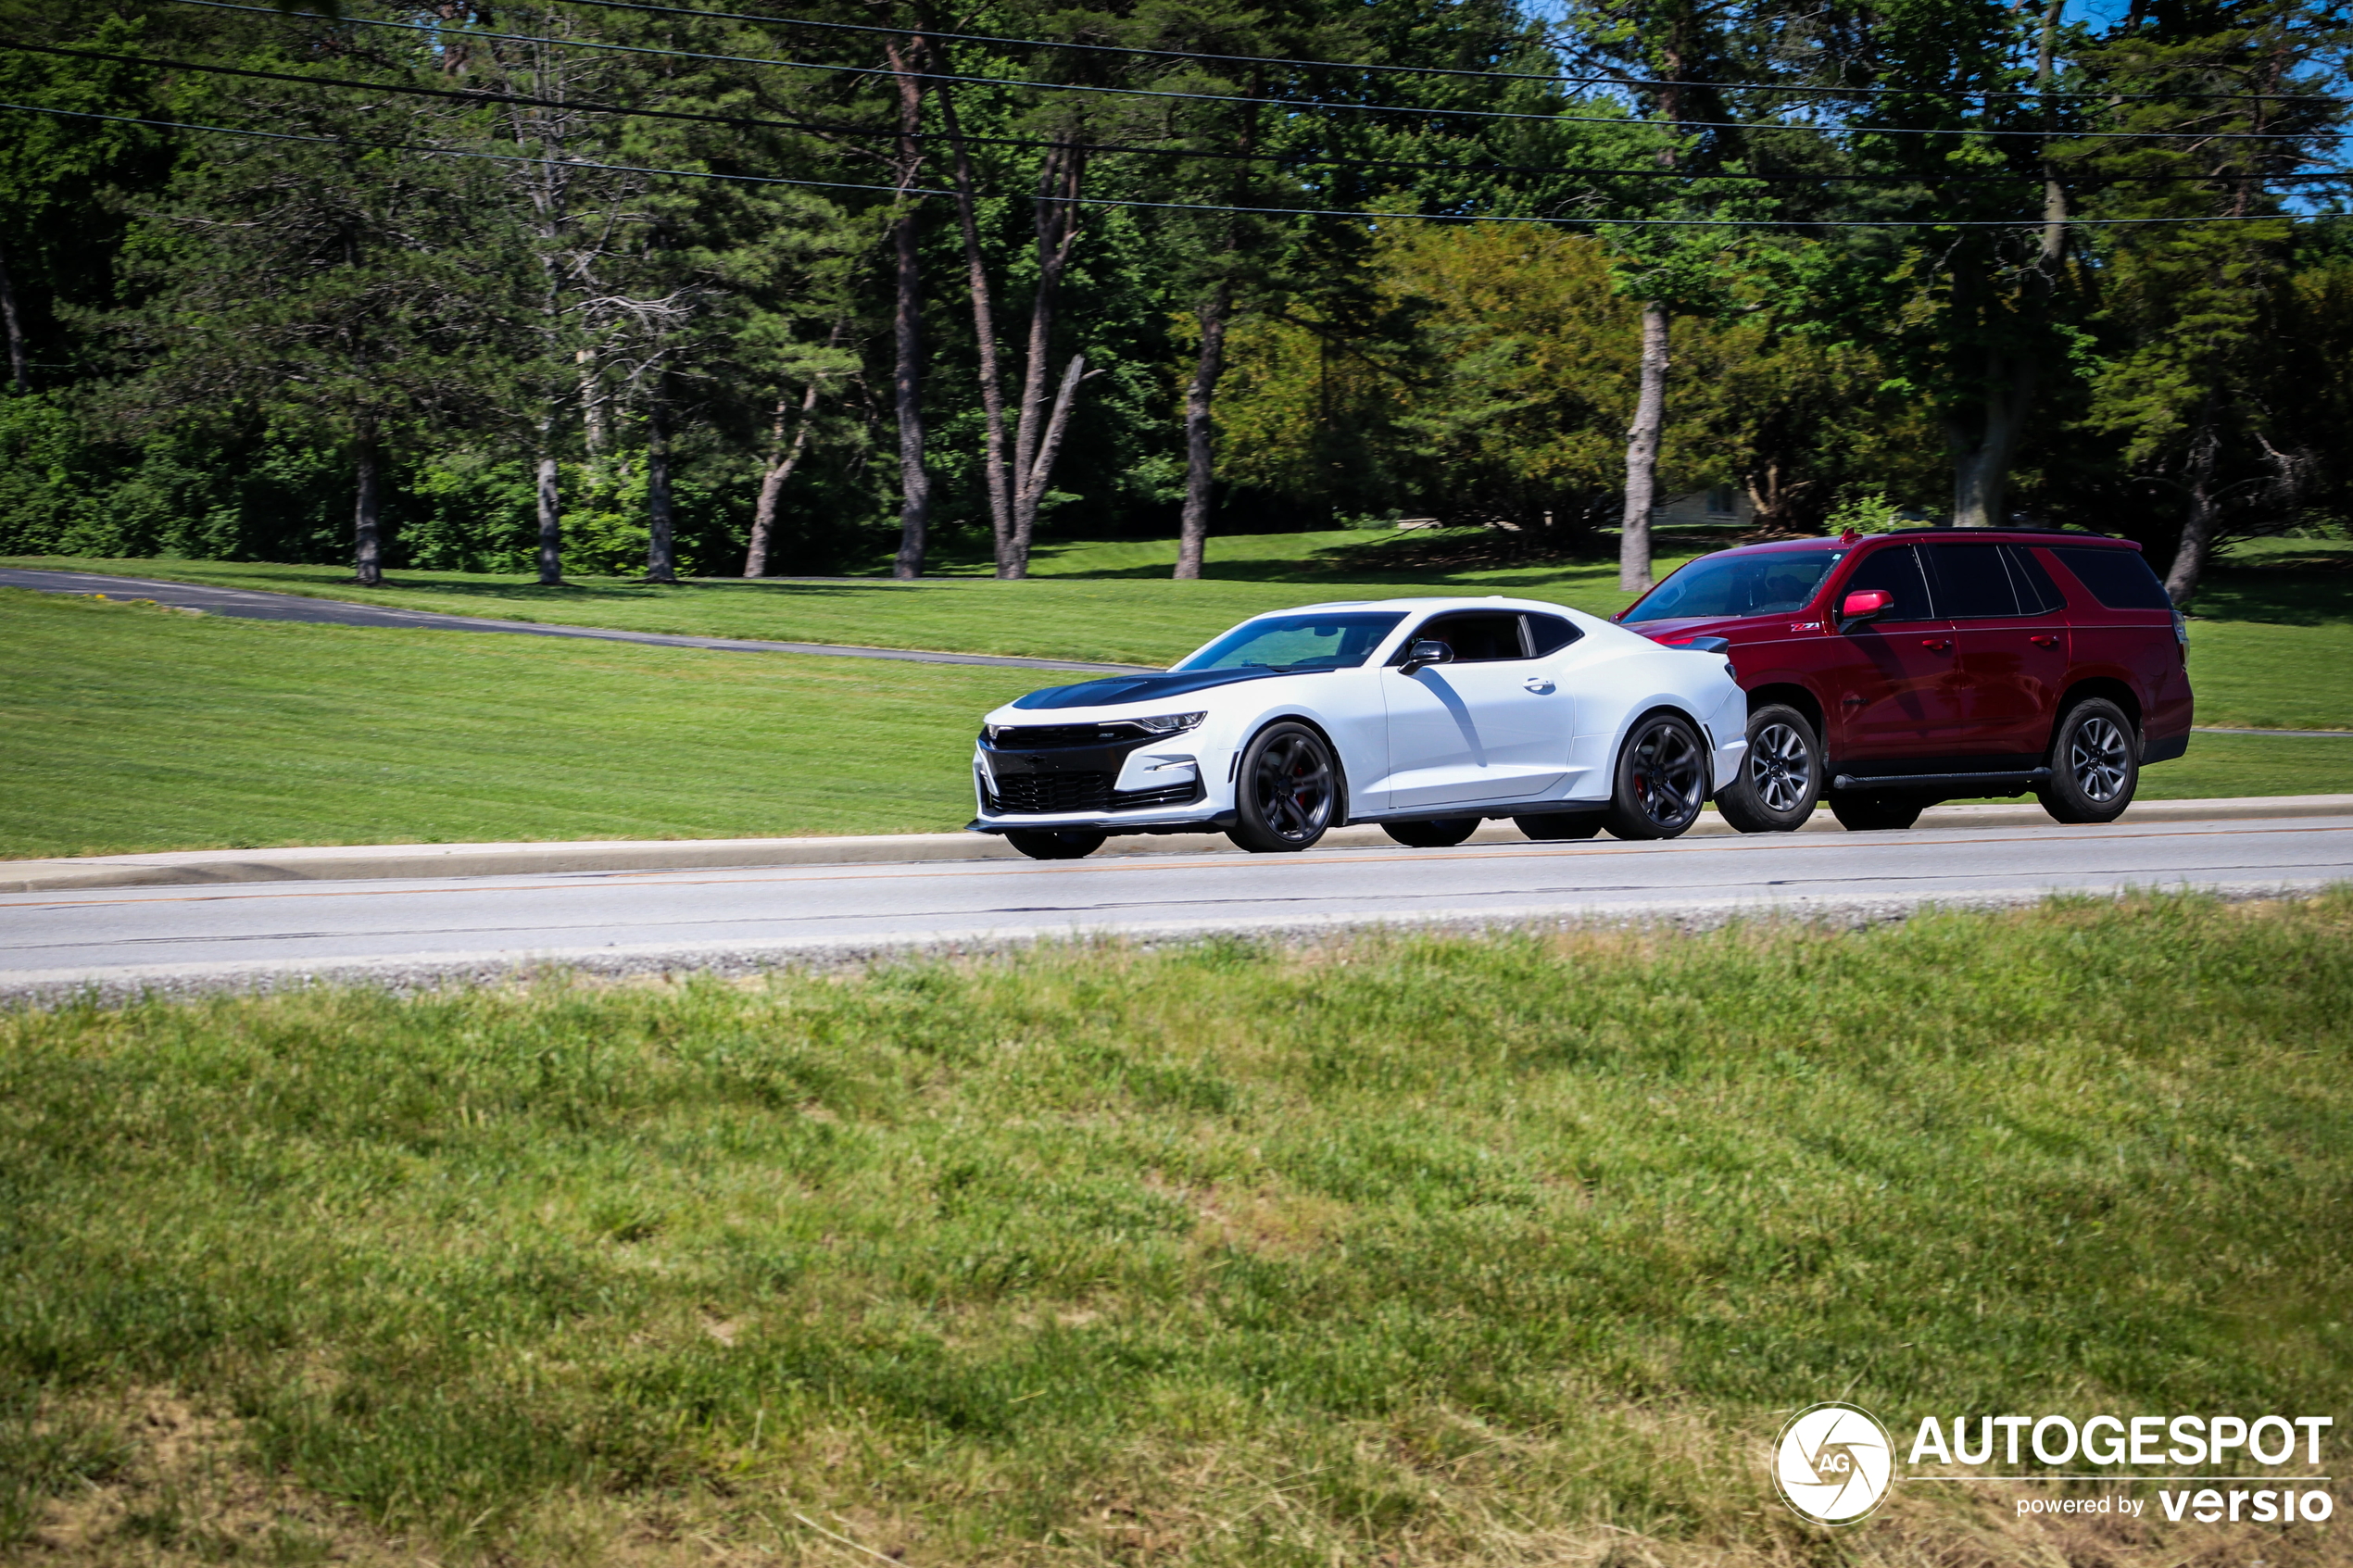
x=1420 y=1245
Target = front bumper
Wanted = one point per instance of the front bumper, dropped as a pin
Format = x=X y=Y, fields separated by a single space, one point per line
x=1140 y=786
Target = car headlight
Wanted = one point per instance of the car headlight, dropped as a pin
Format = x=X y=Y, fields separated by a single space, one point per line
x=1170 y=723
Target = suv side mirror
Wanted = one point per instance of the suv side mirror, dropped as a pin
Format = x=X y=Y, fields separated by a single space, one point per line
x=1864 y=604
x=1429 y=650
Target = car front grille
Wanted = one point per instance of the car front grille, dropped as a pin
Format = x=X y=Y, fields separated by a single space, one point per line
x=1030 y=737
x=1037 y=794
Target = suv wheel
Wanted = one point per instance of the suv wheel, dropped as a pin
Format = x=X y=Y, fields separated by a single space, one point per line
x=1875 y=813
x=1662 y=780
x=1436 y=832
x=1289 y=790
x=1781 y=778
x=1054 y=844
x=2096 y=764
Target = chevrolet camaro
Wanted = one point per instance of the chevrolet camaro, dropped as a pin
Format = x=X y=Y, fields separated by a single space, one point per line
x=1425 y=716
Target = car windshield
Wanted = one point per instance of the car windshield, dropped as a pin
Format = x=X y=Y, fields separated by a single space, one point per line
x=1309 y=640
x=1763 y=583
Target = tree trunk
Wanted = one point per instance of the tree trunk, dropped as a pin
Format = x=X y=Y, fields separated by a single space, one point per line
x=1193 y=533
x=1057 y=224
x=367 y=518
x=1642 y=456
x=772 y=482
x=593 y=427
x=1042 y=468
x=661 y=546
x=15 y=325
x=1982 y=466
x=914 y=484
x=993 y=389
x=2197 y=527
x=551 y=513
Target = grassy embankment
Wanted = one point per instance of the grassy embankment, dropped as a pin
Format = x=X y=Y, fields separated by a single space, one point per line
x=127 y=729
x=1412 y=1250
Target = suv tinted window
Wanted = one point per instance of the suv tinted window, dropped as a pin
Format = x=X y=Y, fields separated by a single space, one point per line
x=1547 y=632
x=2037 y=594
x=1480 y=637
x=1972 y=582
x=2118 y=578
x=1897 y=569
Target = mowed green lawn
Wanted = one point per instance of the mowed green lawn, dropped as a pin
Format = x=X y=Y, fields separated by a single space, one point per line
x=124 y=727
x=1409 y=1251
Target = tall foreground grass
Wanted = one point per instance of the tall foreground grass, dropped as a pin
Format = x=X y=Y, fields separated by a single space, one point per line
x=1405 y=1249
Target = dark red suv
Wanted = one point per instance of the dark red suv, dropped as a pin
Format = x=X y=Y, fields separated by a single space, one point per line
x=1890 y=671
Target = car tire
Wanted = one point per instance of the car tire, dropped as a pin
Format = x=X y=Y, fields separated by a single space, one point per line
x=2096 y=764
x=1432 y=832
x=1055 y=844
x=1875 y=813
x=1781 y=775
x=1286 y=792
x=1661 y=779
x=1554 y=825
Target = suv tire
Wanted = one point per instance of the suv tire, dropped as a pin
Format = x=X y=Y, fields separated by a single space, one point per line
x=2096 y=764
x=1781 y=775
x=1661 y=780
x=1875 y=813
x=1287 y=791
x=1432 y=832
x=1055 y=844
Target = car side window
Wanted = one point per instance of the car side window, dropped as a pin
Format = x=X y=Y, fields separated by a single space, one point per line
x=1895 y=569
x=1972 y=582
x=1550 y=634
x=2037 y=594
x=1477 y=636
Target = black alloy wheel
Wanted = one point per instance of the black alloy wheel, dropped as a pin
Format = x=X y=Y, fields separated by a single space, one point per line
x=1554 y=826
x=1876 y=813
x=1435 y=833
x=1662 y=780
x=1289 y=792
x=1055 y=844
x=1780 y=779
x=2096 y=764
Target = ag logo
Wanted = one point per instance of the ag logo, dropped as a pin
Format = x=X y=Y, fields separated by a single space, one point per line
x=1832 y=1463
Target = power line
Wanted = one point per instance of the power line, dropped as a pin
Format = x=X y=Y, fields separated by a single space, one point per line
x=1553 y=78
x=484 y=96
x=1327 y=105
x=901 y=191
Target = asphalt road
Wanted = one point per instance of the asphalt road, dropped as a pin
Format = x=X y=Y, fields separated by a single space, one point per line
x=248 y=603
x=416 y=932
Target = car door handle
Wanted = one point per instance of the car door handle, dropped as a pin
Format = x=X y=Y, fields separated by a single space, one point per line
x=2044 y=640
x=1936 y=645
x=1538 y=683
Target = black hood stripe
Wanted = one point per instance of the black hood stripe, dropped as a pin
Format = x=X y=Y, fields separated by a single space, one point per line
x=1113 y=690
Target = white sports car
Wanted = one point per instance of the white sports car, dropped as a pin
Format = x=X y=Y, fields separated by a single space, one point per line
x=1425 y=716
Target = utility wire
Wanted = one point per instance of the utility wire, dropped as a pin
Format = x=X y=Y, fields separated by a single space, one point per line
x=1212 y=57
x=1328 y=105
x=484 y=96
x=902 y=191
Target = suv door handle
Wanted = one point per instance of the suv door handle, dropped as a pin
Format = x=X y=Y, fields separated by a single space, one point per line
x=1936 y=645
x=1540 y=685
x=2044 y=640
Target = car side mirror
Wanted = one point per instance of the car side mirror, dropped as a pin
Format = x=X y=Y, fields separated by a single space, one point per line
x=1864 y=604
x=1429 y=650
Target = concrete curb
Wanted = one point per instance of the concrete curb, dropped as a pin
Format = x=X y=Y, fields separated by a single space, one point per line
x=404 y=861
